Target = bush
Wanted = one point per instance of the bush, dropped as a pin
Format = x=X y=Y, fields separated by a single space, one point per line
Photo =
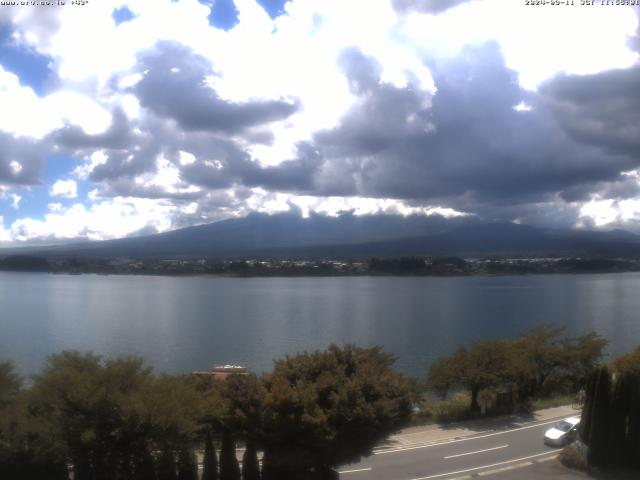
x=574 y=457
x=454 y=409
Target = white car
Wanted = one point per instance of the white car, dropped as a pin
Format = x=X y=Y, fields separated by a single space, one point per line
x=562 y=432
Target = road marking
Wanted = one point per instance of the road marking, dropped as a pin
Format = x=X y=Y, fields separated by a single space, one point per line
x=466 y=439
x=481 y=467
x=356 y=470
x=477 y=451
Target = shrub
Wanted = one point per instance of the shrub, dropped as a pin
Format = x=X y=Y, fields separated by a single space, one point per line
x=572 y=456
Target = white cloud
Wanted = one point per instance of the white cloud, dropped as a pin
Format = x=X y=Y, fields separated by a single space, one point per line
x=96 y=158
x=64 y=189
x=538 y=42
x=24 y=113
x=269 y=202
x=106 y=219
x=294 y=56
x=15 y=201
x=16 y=167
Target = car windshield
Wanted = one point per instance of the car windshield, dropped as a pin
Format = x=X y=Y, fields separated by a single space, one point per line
x=564 y=426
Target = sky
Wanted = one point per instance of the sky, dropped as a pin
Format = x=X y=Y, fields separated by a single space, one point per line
x=129 y=117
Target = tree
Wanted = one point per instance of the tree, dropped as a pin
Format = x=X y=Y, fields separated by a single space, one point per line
x=542 y=351
x=582 y=356
x=486 y=364
x=210 y=462
x=628 y=363
x=187 y=465
x=599 y=430
x=326 y=408
x=93 y=408
x=250 y=466
x=10 y=384
x=167 y=465
x=229 y=468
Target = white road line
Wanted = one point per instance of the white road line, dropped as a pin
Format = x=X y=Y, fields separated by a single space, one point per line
x=477 y=451
x=356 y=470
x=481 y=467
x=466 y=439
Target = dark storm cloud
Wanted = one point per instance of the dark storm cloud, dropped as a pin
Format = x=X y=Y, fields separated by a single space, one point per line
x=290 y=175
x=427 y=6
x=28 y=154
x=174 y=86
x=126 y=187
x=466 y=147
x=118 y=136
x=601 y=109
x=121 y=163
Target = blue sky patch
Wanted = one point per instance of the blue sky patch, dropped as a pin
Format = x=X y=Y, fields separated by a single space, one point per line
x=224 y=14
x=31 y=67
x=274 y=8
x=122 y=15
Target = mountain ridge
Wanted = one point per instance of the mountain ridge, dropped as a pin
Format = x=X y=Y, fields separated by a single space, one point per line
x=288 y=235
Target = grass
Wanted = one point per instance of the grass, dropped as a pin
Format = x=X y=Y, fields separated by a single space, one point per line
x=456 y=409
x=443 y=411
x=554 y=401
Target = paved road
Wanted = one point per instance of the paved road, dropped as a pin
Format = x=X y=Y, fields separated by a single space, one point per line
x=480 y=453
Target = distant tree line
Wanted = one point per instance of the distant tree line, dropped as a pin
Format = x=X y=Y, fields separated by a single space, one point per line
x=538 y=364
x=416 y=266
x=115 y=419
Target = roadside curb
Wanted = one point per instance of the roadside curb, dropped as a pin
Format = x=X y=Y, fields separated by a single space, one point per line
x=506 y=468
x=459 y=437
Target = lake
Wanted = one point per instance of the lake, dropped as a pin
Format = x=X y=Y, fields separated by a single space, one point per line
x=179 y=324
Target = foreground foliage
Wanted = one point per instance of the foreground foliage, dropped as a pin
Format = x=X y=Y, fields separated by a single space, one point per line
x=540 y=363
x=610 y=423
x=115 y=419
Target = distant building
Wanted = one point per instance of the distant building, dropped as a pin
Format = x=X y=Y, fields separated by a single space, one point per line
x=221 y=372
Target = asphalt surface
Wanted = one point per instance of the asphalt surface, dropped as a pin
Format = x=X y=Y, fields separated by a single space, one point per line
x=486 y=452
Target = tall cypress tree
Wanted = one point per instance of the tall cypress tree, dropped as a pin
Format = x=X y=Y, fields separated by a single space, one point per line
x=144 y=466
x=229 y=468
x=167 y=465
x=587 y=410
x=633 y=439
x=618 y=420
x=599 y=436
x=250 y=466
x=187 y=465
x=210 y=462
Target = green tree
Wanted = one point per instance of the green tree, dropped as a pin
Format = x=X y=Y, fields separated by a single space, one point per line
x=325 y=408
x=210 y=462
x=486 y=364
x=544 y=358
x=229 y=468
x=582 y=355
x=187 y=464
x=628 y=363
x=598 y=454
x=250 y=465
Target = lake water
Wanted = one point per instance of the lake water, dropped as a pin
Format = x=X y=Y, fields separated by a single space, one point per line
x=179 y=324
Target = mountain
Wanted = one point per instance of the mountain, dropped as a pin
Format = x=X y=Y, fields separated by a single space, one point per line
x=288 y=235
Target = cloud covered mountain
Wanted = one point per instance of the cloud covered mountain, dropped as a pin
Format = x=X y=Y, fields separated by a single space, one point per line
x=349 y=236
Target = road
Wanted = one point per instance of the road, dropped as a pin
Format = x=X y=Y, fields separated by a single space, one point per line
x=483 y=452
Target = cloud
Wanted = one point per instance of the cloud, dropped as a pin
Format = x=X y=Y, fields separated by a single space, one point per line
x=601 y=109
x=105 y=219
x=467 y=146
x=435 y=106
x=174 y=85
x=64 y=189
x=427 y=6
x=21 y=160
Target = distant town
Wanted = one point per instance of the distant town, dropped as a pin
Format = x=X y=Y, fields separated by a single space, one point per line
x=437 y=266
